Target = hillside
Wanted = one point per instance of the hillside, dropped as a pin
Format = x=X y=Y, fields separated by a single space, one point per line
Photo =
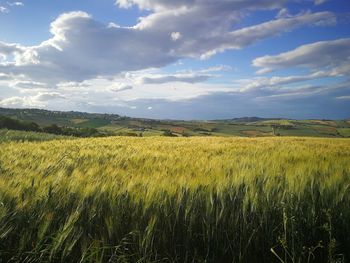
x=114 y=124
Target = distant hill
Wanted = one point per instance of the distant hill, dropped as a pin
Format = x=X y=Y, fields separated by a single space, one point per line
x=26 y=114
x=250 y=119
x=114 y=124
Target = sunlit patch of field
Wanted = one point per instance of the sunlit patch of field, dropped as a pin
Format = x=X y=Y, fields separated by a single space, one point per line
x=328 y=123
x=327 y=130
x=23 y=136
x=78 y=121
x=344 y=132
x=277 y=122
x=159 y=199
x=255 y=133
x=178 y=129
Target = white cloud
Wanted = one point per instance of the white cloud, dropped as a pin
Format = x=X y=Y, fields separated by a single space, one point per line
x=45 y=96
x=215 y=69
x=27 y=84
x=319 y=2
x=102 y=66
x=12 y=102
x=120 y=87
x=325 y=54
x=160 y=79
x=82 y=48
x=308 y=90
x=39 y=100
x=4 y=10
x=119 y=90
x=163 y=5
x=5 y=76
x=8 y=49
x=15 y=3
x=305 y=102
x=326 y=59
x=72 y=85
x=283 y=13
x=276 y=81
x=249 y=35
x=343 y=98
x=175 y=36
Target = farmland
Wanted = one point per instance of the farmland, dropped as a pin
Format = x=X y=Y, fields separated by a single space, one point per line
x=113 y=124
x=161 y=199
x=12 y=135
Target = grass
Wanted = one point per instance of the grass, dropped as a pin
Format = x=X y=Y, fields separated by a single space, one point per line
x=344 y=132
x=247 y=127
x=78 y=121
x=93 y=123
x=157 y=199
x=11 y=135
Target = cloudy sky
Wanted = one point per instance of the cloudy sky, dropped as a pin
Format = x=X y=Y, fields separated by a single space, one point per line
x=183 y=59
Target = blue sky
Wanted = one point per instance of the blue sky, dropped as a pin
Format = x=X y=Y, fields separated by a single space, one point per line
x=185 y=59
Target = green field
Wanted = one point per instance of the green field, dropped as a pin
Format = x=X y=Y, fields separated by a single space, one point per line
x=11 y=135
x=159 y=199
x=113 y=124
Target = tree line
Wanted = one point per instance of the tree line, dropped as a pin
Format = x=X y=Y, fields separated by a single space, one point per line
x=13 y=124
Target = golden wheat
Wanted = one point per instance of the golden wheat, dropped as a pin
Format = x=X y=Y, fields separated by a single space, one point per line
x=123 y=199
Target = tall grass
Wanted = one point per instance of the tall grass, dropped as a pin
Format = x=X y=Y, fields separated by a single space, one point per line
x=21 y=136
x=123 y=199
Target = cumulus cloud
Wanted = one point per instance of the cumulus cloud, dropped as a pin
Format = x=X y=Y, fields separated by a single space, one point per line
x=343 y=98
x=205 y=26
x=13 y=102
x=120 y=87
x=15 y=3
x=319 y=2
x=250 y=35
x=288 y=93
x=276 y=81
x=325 y=59
x=304 y=103
x=283 y=13
x=4 y=10
x=175 y=36
x=216 y=69
x=82 y=48
x=325 y=54
x=97 y=66
x=27 y=84
x=45 y=96
x=5 y=76
x=163 y=5
x=72 y=85
x=187 y=78
x=39 y=100
x=7 y=49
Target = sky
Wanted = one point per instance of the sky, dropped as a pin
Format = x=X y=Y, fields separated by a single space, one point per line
x=183 y=59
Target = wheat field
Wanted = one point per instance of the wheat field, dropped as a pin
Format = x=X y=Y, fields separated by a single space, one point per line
x=157 y=199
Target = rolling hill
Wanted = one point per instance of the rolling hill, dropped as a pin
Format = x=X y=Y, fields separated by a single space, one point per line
x=114 y=124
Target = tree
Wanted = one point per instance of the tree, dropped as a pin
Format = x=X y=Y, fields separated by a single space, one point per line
x=53 y=128
x=168 y=133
